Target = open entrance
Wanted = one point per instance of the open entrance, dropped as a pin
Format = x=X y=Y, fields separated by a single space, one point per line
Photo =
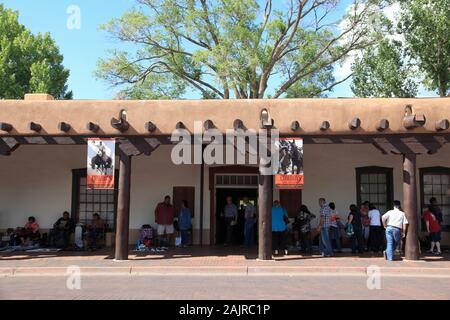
x=238 y=195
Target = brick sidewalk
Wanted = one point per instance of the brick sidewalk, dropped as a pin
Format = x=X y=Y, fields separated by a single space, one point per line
x=212 y=261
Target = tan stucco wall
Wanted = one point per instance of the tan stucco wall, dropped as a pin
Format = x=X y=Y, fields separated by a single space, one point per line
x=37 y=180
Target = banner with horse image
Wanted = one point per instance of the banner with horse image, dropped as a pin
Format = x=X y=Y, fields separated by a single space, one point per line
x=100 y=163
x=290 y=167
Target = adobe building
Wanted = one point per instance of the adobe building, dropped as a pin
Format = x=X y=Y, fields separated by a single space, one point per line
x=354 y=150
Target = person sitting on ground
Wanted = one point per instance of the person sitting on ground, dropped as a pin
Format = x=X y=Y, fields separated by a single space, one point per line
x=60 y=234
x=29 y=232
x=433 y=229
x=164 y=216
x=184 y=223
x=95 y=230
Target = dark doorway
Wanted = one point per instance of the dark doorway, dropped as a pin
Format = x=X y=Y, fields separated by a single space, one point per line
x=238 y=195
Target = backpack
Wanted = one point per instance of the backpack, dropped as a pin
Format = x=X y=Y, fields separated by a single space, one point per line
x=146 y=232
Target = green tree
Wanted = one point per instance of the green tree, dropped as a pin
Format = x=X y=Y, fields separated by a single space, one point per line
x=383 y=72
x=425 y=25
x=234 y=48
x=29 y=63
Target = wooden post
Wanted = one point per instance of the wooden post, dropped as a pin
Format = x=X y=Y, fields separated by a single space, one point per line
x=410 y=206
x=123 y=208
x=265 y=198
x=202 y=187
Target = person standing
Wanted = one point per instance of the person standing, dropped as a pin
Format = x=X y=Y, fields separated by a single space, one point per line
x=164 y=215
x=324 y=228
x=435 y=210
x=250 y=218
x=395 y=223
x=375 y=233
x=279 y=219
x=230 y=212
x=365 y=220
x=433 y=229
x=357 y=239
x=303 y=225
x=335 y=231
x=184 y=223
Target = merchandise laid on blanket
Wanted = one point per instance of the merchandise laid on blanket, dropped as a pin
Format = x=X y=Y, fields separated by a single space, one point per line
x=146 y=240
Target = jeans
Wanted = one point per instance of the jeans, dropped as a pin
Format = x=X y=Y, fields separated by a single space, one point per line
x=357 y=241
x=324 y=241
x=248 y=232
x=393 y=237
x=335 y=234
x=184 y=236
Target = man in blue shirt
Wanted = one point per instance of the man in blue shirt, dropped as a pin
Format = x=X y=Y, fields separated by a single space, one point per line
x=184 y=222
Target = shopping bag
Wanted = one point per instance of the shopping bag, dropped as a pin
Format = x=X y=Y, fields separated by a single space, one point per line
x=178 y=241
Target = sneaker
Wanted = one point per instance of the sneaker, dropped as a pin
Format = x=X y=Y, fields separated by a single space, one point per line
x=276 y=252
x=438 y=253
x=286 y=252
x=384 y=255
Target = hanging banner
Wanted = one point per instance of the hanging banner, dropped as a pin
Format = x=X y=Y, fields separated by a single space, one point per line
x=290 y=167
x=100 y=163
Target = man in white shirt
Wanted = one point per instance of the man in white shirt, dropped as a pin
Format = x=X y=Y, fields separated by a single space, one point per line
x=376 y=231
x=395 y=223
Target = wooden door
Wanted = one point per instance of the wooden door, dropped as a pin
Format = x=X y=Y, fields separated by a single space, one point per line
x=184 y=193
x=291 y=199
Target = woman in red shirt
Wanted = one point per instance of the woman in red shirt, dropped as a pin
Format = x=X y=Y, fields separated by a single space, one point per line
x=434 y=230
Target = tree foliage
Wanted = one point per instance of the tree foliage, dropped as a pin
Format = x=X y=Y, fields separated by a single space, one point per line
x=425 y=25
x=29 y=63
x=384 y=73
x=234 y=48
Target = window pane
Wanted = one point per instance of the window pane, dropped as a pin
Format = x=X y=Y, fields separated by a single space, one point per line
x=437 y=189
x=445 y=179
x=381 y=178
x=427 y=179
x=428 y=189
x=436 y=179
x=373 y=198
x=219 y=179
x=445 y=200
x=373 y=188
x=382 y=188
x=364 y=188
x=373 y=178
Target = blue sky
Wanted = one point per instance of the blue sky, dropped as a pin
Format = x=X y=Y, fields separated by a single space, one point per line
x=83 y=47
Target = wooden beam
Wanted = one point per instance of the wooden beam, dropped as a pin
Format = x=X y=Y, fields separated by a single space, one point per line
x=443 y=124
x=410 y=206
x=33 y=126
x=208 y=124
x=92 y=127
x=5 y=127
x=354 y=124
x=414 y=121
x=63 y=126
x=123 y=208
x=383 y=124
x=150 y=126
x=295 y=125
x=325 y=126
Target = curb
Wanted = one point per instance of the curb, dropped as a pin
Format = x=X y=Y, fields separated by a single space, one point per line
x=223 y=271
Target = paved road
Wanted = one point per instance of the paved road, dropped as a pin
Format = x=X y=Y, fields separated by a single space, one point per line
x=221 y=287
